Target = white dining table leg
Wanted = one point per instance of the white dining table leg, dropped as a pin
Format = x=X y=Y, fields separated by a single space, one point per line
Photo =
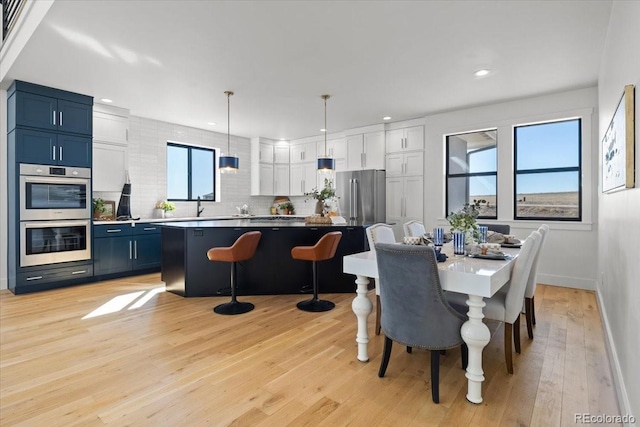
x=476 y=335
x=362 y=308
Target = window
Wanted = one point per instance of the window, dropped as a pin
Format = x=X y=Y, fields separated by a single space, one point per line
x=472 y=172
x=548 y=171
x=190 y=172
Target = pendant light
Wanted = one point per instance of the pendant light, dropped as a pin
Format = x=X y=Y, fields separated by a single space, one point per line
x=325 y=163
x=228 y=163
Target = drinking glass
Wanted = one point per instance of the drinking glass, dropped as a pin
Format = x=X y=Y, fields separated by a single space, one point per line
x=438 y=236
x=458 y=243
x=483 y=233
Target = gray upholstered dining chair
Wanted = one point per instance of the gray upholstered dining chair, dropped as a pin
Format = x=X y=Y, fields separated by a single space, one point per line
x=413 y=228
x=506 y=305
x=379 y=233
x=530 y=291
x=498 y=228
x=416 y=312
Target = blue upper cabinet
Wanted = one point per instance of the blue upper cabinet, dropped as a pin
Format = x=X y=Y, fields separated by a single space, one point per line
x=50 y=148
x=40 y=107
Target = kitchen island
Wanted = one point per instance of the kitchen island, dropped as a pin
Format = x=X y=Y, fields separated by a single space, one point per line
x=187 y=271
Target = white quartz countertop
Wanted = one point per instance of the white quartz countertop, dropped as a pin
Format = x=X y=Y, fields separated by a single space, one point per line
x=202 y=218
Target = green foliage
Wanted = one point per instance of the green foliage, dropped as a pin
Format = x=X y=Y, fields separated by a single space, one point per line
x=286 y=206
x=168 y=206
x=326 y=193
x=465 y=219
x=98 y=205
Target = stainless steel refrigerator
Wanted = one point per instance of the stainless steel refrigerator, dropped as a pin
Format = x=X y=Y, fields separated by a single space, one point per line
x=362 y=195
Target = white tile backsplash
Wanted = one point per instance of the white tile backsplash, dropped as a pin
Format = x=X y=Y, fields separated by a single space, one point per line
x=147 y=152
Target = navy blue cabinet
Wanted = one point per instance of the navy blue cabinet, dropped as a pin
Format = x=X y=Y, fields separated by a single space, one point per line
x=49 y=148
x=126 y=248
x=45 y=108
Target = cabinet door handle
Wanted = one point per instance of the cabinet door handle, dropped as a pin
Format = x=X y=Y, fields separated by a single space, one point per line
x=361 y=161
x=149 y=228
x=135 y=249
x=53 y=152
x=365 y=160
x=54 y=117
x=34 y=278
x=61 y=150
x=130 y=250
x=78 y=272
x=60 y=118
x=115 y=230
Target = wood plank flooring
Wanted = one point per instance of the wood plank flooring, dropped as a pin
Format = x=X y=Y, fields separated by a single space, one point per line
x=124 y=352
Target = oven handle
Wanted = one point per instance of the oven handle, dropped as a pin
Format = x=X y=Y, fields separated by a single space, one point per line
x=54 y=180
x=66 y=223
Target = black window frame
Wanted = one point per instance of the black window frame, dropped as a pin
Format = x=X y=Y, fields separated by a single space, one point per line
x=190 y=149
x=448 y=175
x=577 y=169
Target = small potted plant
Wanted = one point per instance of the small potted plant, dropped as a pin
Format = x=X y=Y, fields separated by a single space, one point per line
x=98 y=207
x=165 y=207
x=464 y=221
x=286 y=207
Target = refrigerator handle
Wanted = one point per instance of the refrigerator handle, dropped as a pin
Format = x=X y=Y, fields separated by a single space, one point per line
x=353 y=198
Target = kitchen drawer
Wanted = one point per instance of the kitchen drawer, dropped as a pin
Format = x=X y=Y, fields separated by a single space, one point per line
x=112 y=230
x=146 y=228
x=26 y=282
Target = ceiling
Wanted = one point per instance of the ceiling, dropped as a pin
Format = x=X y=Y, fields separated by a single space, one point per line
x=173 y=60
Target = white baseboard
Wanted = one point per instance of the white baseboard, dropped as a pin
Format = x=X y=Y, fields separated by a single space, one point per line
x=618 y=378
x=568 y=282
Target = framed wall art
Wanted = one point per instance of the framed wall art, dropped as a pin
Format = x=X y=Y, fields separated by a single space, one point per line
x=618 y=145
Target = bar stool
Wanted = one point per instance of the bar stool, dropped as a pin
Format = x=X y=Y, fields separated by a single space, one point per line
x=243 y=249
x=323 y=250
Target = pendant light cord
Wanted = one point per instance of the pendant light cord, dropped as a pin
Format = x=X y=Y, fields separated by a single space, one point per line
x=228 y=93
x=325 y=97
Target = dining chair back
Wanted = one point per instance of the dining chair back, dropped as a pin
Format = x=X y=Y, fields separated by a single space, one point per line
x=379 y=233
x=530 y=291
x=506 y=305
x=498 y=228
x=416 y=312
x=413 y=228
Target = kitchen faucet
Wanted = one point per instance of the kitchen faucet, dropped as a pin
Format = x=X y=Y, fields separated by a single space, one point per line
x=198 y=207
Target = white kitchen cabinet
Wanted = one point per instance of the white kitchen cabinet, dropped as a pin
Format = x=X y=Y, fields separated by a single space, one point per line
x=110 y=128
x=405 y=201
x=265 y=154
x=405 y=139
x=281 y=153
x=405 y=164
x=281 y=179
x=366 y=151
x=110 y=163
x=110 y=147
x=303 y=178
x=336 y=148
x=266 y=179
x=301 y=153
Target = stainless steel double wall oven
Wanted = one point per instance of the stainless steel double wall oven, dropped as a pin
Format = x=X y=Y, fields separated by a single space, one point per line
x=55 y=214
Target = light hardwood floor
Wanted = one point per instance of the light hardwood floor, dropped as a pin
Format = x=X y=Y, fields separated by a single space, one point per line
x=156 y=359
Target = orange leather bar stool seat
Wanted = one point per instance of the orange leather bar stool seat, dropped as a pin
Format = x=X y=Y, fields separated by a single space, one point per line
x=323 y=250
x=243 y=249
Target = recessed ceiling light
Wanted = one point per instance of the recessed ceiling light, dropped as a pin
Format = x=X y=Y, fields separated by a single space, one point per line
x=386 y=118
x=107 y=100
x=481 y=73
x=323 y=130
x=211 y=123
x=283 y=139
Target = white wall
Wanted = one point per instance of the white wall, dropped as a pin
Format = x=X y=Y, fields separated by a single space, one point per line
x=619 y=225
x=148 y=168
x=570 y=254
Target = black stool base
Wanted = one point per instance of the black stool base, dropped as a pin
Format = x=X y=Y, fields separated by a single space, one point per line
x=234 y=308
x=316 y=305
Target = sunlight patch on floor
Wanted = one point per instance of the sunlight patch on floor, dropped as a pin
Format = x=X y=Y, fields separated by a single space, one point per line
x=136 y=299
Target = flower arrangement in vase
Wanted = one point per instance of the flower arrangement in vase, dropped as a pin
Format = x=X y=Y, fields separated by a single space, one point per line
x=321 y=196
x=464 y=220
x=165 y=207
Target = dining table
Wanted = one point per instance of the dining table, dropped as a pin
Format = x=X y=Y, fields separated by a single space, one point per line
x=477 y=277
